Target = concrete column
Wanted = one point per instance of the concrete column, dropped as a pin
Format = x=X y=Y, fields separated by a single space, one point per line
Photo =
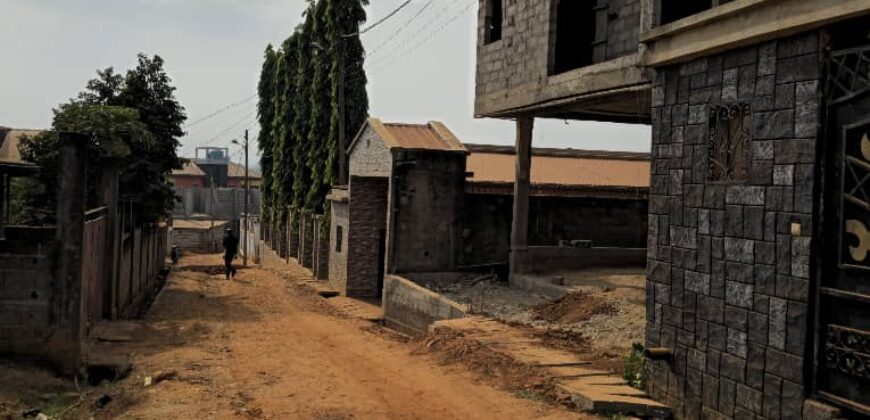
x=109 y=197
x=66 y=306
x=520 y=226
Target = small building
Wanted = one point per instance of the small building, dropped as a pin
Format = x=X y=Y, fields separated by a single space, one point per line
x=191 y=175
x=400 y=211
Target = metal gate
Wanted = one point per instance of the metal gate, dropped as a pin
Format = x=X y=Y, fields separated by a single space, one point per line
x=843 y=342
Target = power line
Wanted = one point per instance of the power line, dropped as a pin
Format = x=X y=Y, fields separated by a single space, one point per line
x=382 y=20
x=421 y=30
x=425 y=40
x=220 y=111
x=401 y=28
x=235 y=125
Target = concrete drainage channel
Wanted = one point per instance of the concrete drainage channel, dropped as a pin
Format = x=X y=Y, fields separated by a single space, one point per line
x=412 y=309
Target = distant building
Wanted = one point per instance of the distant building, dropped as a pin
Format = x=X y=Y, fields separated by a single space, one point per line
x=191 y=175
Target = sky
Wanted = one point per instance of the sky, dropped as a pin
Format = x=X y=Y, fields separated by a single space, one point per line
x=419 y=69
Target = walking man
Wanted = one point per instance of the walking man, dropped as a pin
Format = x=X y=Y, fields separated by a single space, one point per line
x=231 y=248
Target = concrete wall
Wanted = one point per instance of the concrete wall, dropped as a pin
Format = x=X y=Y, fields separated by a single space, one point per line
x=338 y=256
x=25 y=298
x=370 y=157
x=606 y=222
x=514 y=71
x=425 y=226
x=367 y=213
x=220 y=203
x=411 y=308
x=201 y=241
x=727 y=283
x=542 y=259
x=320 y=249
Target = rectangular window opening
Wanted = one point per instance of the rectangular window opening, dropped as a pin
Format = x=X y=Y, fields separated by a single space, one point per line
x=339 y=235
x=576 y=43
x=493 y=21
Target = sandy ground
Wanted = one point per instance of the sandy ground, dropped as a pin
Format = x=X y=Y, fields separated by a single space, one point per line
x=264 y=347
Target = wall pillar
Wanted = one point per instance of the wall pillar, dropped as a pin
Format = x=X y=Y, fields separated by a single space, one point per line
x=66 y=306
x=520 y=225
x=108 y=192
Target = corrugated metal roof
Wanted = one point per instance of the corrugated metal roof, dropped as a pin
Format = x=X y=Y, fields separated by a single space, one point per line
x=234 y=170
x=9 y=149
x=562 y=170
x=430 y=136
x=189 y=169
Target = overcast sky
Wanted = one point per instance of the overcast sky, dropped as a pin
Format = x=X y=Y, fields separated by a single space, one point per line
x=213 y=51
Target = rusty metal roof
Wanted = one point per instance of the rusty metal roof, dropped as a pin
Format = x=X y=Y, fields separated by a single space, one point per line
x=188 y=169
x=234 y=170
x=430 y=136
x=9 y=153
x=567 y=167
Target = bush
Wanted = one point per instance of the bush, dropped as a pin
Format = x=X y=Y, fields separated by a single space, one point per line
x=635 y=367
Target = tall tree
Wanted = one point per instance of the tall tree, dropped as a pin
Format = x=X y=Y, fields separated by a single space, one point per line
x=321 y=108
x=283 y=149
x=277 y=128
x=302 y=108
x=346 y=16
x=265 y=115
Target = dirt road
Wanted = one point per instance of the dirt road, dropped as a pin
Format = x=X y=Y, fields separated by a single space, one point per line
x=262 y=346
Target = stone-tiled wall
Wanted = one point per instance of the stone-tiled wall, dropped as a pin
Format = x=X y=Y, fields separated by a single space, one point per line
x=368 y=217
x=728 y=283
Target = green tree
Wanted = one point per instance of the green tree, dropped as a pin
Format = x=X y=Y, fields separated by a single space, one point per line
x=302 y=108
x=283 y=148
x=148 y=89
x=277 y=128
x=116 y=135
x=265 y=115
x=346 y=18
x=320 y=100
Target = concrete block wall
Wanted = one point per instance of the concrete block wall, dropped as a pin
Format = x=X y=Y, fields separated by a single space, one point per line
x=25 y=301
x=727 y=282
x=367 y=212
x=201 y=241
x=370 y=157
x=320 y=249
x=411 y=308
x=338 y=256
x=514 y=71
x=306 y=240
x=426 y=223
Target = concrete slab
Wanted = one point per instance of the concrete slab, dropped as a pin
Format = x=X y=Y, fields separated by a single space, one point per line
x=362 y=309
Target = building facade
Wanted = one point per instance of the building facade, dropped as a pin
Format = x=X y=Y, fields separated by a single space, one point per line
x=757 y=280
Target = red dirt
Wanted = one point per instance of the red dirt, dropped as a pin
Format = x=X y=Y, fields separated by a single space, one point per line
x=263 y=347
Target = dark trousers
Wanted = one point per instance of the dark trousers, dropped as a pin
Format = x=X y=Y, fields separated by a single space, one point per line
x=228 y=263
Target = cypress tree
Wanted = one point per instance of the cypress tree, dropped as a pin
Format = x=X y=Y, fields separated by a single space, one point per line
x=346 y=16
x=265 y=113
x=275 y=191
x=302 y=108
x=283 y=150
x=321 y=108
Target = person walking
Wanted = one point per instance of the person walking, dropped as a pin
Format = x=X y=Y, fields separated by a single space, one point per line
x=231 y=248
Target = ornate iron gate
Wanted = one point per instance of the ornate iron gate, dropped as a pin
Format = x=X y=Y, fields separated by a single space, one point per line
x=843 y=341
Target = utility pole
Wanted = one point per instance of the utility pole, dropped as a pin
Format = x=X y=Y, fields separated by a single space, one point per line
x=342 y=142
x=247 y=192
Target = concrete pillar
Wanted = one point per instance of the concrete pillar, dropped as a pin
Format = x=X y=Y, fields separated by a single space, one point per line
x=66 y=306
x=520 y=226
x=108 y=196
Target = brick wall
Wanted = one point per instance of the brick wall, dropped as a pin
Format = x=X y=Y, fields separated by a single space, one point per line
x=367 y=213
x=727 y=284
x=426 y=228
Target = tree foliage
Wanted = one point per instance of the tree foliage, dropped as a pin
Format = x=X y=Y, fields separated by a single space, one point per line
x=265 y=115
x=303 y=87
x=133 y=120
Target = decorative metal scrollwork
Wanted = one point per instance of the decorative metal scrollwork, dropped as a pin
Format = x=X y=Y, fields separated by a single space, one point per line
x=848 y=350
x=730 y=127
x=849 y=74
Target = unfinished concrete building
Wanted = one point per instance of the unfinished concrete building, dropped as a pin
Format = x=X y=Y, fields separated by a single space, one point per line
x=758 y=292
